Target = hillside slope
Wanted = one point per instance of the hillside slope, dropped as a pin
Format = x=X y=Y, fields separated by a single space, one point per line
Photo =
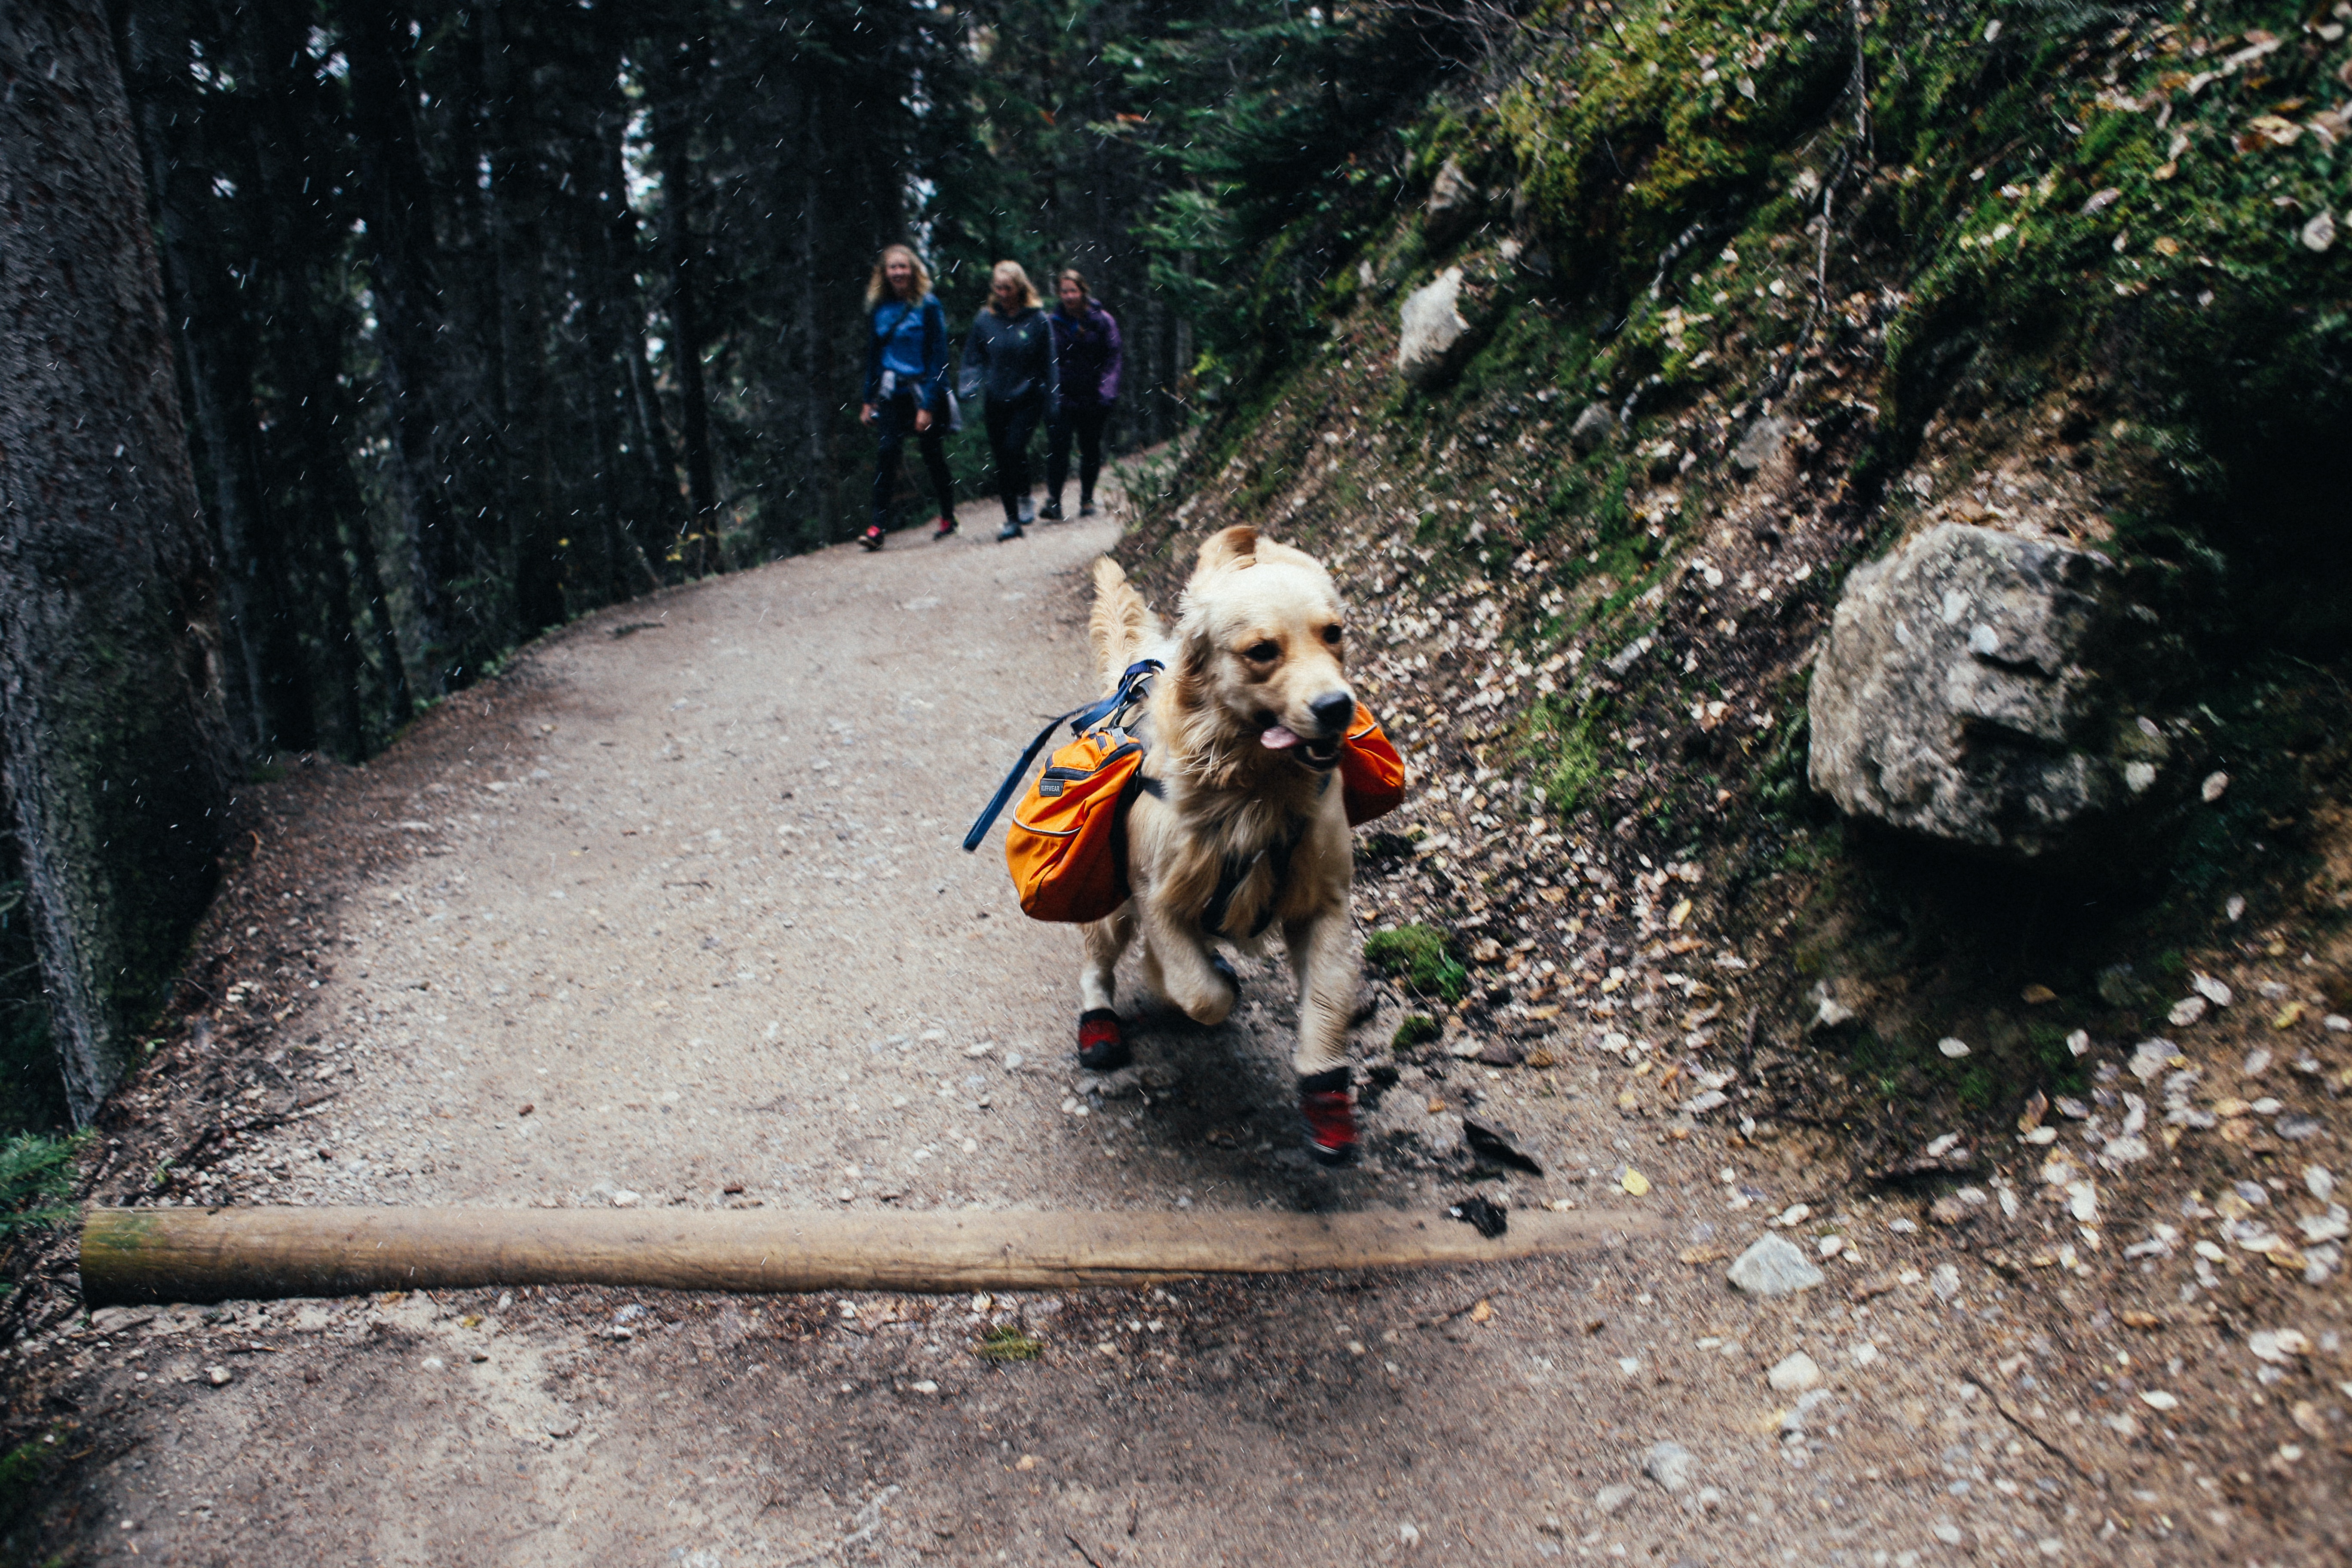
x=1743 y=301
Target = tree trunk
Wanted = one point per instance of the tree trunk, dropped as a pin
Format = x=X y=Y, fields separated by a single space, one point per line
x=116 y=753
x=398 y=198
x=686 y=322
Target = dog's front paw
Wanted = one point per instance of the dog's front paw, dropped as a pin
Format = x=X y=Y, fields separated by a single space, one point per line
x=1213 y=1004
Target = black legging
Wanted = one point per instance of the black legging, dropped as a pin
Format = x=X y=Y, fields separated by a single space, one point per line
x=895 y=418
x=1086 y=419
x=1011 y=424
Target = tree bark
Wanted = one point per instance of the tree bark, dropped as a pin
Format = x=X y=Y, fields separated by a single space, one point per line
x=700 y=550
x=116 y=750
x=401 y=247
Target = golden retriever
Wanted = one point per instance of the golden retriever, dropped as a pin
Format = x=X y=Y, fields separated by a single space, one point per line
x=1239 y=825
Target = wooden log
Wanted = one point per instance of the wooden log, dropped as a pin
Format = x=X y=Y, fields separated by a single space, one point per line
x=143 y=1255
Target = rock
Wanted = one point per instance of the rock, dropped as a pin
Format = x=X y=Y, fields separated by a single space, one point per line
x=1955 y=1208
x=1761 y=444
x=1592 y=427
x=218 y=1377
x=1976 y=688
x=1952 y=1046
x=1794 y=1373
x=1430 y=329
x=116 y=1319
x=2278 y=1345
x=1670 y=1465
x=1453 y=204
x=1774 y=1266
x=1612 y=1500
x=1945 y=1282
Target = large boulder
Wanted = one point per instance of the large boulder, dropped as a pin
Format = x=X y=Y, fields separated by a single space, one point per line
x=1430 y=329
x=1989 y=690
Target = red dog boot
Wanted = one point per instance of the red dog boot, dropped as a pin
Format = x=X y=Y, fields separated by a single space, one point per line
x=1330 y=1113
x=1101 y=1047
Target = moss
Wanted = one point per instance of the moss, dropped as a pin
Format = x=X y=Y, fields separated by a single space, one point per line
x=1564 y=747
x=1418 y=1029
x=1422 y=957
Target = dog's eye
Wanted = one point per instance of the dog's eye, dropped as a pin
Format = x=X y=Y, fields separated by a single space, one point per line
x=1331 y=635
x=1262 y=652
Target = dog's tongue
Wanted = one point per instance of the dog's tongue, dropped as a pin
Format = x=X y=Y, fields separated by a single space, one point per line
x=1276 y=738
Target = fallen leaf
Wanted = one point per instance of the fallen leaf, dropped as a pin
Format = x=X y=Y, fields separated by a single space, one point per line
x=1482 y=1312
x=2288 y=1016
x=2319 y=233
x=2167 y=246
x=1634 y=1183
x=2156 y=1399
x=2035 y=996
x=2133 y=1318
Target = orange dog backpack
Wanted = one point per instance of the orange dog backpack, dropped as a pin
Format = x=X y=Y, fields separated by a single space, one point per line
x=1067 y=847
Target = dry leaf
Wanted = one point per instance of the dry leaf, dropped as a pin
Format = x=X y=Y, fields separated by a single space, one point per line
x=2035 y=996
x=1634 y=1183
x=1482 y=1312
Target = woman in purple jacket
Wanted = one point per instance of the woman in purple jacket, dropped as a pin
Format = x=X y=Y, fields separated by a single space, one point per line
x=1086 y=337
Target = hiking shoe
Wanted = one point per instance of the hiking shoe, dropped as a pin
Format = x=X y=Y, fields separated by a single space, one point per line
x=947 y=526
x=1028 y=510
x=1331 y=1114
x=1012 y=530
x=1086 y=507
x=1052 y=511
x=872 y=537
x=1101 y=1047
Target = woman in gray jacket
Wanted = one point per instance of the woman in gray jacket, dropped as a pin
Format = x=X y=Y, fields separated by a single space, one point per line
x=1009 y=359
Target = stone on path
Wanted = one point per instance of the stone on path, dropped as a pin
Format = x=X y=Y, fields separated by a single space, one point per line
x=1670 y=1465
x=1795 y=1373
x=1774 y=1266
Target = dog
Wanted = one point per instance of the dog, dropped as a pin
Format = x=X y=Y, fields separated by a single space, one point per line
x=1238 y=825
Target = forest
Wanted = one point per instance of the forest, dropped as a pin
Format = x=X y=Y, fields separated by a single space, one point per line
x=482 y=316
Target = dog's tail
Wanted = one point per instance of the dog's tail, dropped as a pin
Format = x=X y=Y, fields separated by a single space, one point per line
x=1121 y=623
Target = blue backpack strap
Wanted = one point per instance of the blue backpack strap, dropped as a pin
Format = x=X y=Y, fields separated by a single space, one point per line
x=1132 y=684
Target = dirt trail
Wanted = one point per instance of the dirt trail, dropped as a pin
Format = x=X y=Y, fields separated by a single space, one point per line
x=688 y=923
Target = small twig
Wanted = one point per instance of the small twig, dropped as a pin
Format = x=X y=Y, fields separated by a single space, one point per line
x=1080 y=1550
x=2019 y=1422
x=1470 y=1306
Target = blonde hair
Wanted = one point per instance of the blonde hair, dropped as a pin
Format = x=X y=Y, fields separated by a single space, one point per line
x=878 y=287
x=1072 y=275
x=1014 y=271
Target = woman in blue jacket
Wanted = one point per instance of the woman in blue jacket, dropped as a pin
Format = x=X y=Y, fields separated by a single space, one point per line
x=1009 y=359
x=906 y=382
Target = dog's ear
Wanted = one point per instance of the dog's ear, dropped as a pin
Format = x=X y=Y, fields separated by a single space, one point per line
x=1238 y=542
x=1194 y=651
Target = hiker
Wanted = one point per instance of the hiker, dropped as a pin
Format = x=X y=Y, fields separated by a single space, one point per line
x=1086 y=343
x=1009 y=359
x=906 y=383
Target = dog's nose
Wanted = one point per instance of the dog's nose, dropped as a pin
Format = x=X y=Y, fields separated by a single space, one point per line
x=1332 y=711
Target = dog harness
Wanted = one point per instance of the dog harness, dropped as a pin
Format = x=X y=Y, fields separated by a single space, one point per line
x=1067 y=847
